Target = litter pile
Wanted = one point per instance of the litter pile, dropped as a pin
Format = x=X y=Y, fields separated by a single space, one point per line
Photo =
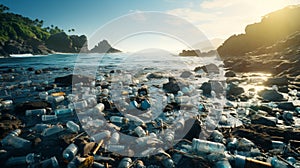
x=111 y=122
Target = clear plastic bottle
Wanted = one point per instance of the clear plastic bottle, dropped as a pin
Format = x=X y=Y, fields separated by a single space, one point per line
x=100 y=107
x=49 y=117
x=40 y=127
x=102 y=135
x=52 y=130
x=35 y=112
x=60 y=112
x=115 y=138
x=169 y=136
x=207 y=146
x=115 y=148
x=73 y=126
x=140 y=131
x=15 y=142
x=116 y=119
x=70 y=152
x=59 y=99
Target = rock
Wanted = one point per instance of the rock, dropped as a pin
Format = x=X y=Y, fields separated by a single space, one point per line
x=172 y=86
x=212 y=85
x=286 y=106
x=38 y=71
x=234 y=90
x=155 y=75
x=210 y=68
x=104 y=47
x=30 y=69
x=186 y=74
x=271 y=95
x=283 y=89
x=268 y=121
x=282 y=81
x=230 y=74
x=69 y=79
x=60 y=42
x=206 y=87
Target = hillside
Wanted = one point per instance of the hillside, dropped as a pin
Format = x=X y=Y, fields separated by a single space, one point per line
x=273 y=27
x=271 y=46
x=19 y=35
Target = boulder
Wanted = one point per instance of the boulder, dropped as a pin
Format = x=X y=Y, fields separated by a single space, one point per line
x=234 y=90
x=267 y=121
x=186 y=74
x=172 y=86
x=210 y=68
x=286 y=106
x=230 y=74
x=206 y=87
x=69 y=79
x=281 y=81
x=271 y=95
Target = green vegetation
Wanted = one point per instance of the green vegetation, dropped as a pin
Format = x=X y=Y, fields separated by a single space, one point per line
x=17 y=27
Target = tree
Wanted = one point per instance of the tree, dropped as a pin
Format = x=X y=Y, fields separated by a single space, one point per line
x=3 y=8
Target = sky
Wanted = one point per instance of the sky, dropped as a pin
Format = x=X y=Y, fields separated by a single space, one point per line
x=216 y=19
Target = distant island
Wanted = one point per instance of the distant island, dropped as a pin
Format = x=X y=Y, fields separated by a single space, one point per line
x=21 y=35
x=197 y=53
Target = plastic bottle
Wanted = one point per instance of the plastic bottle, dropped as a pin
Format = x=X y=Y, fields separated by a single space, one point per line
x=7 y=102
x=277 y=163
x=125 y=163
x=60 y=112
x=169 y=136
x=115 y=148
x=207 y=146
x=70 y=152
x=179 y=123
x=115 y=138
x=232 y=144
x=100 y=107
x=52 y=130
x=80 y=105
x=43 y=95
x=217 y=136
x=35 y=112
x=91 y=101
x=117 y=119
x=40 y=127
x=49 y=163
x=73 y=126
x=102 y=135
x=48 y=117
x=22 y=160
x=140 y=131
x=168 y=163
x=13 y=140
x=59 y=99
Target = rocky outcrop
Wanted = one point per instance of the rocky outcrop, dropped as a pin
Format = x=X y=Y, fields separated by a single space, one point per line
x=272 y=28
x=104 y=47
x=60 y=42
